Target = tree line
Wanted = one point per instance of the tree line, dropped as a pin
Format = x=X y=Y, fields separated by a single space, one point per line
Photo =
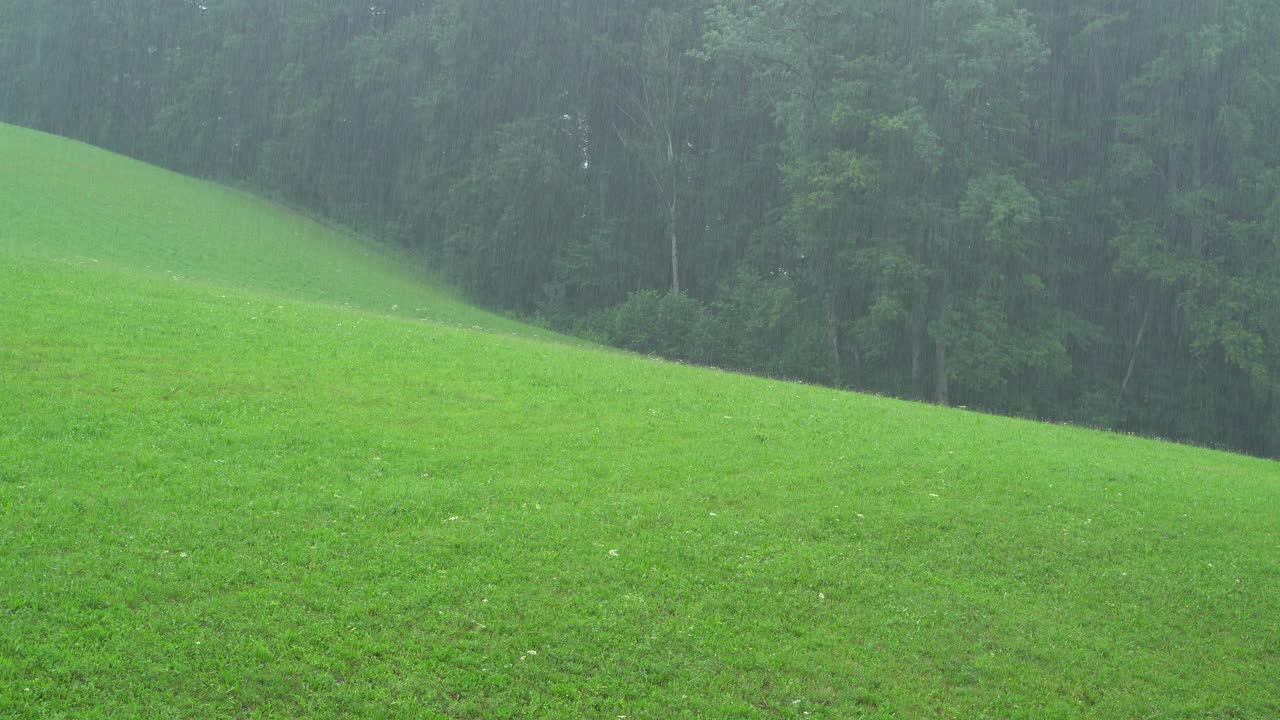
x=1062 y=210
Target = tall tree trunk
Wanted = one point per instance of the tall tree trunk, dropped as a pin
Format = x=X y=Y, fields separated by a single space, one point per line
x=917 y=363
x=917 y=330
x=672 y=206
x=941 y=391
x=675 y=244
x=833 y=339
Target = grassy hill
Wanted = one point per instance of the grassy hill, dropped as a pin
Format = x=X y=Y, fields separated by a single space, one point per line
x=235 y=482
x=69 y=203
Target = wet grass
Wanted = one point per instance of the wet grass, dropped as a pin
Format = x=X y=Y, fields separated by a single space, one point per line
x=65 y=201
x=236 y=497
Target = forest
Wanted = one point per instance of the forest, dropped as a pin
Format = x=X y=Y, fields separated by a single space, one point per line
x=1060 y=210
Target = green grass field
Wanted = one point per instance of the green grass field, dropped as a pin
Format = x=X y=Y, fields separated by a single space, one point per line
x=235 y=482
x=70 y=203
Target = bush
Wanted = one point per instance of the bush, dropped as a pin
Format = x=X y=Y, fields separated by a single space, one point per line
x=671 y=325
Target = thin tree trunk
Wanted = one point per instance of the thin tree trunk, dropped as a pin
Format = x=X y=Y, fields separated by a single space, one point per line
x=672 y=207
x=917 y=361
x=941 y=391
x=833 y=338
x=675 y=246
x=917 y=350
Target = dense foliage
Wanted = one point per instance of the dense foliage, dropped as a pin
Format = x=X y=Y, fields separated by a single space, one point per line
x=1063 y=210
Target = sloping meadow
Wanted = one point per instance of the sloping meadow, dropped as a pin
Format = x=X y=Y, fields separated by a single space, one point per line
x=266 y=498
